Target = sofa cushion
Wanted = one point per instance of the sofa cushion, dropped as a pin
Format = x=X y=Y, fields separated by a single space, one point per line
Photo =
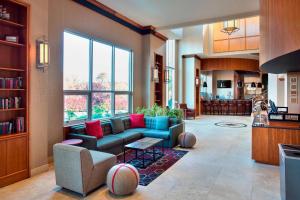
x=93 y=128
x=108 y=142
x=117 y=125
x=162 y=123
x=130 y=135
x=137 y=121
x=156 y=134
x=150 y=122
x=126 y=122
x=106 y=128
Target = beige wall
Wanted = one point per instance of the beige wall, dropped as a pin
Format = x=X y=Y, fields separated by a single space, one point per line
x=151 y=45
x=46 y=95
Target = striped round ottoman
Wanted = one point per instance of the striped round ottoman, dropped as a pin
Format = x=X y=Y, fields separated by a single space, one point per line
x=187 y=140
x=122 y=179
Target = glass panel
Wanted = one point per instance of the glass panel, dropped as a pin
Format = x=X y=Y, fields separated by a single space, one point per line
x=122 y=102
x=102 y=66
x=101 y=105
x=75 y=107
x=76 y=62
x=122 y=65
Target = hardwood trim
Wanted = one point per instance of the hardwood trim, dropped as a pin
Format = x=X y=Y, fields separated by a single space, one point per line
x=118 y=17
x=191 y=56
x=235 y=64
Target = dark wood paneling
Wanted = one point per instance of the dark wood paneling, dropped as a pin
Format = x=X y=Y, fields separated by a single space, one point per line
x=279 y=29
x=235 y=64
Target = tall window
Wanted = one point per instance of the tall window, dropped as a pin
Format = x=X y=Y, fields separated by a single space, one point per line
x=170 y=95
x=97 y=79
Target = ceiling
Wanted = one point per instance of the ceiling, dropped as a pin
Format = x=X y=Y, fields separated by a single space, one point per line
x=166 y=14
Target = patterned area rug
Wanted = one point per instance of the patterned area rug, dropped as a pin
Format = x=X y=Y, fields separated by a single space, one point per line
x=231 y=124
x=154 y=170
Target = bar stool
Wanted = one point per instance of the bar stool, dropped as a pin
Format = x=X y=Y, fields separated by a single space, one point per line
x=248 y=106
x=224 y=107
x=207 y=107
x=232 y=107
x=240 y=108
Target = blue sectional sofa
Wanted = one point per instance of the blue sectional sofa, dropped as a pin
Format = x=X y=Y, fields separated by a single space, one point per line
x=114 y=143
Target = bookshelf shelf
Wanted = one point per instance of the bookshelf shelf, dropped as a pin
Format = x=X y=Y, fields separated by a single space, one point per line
x=12 y=69
x=11 y=23
x=13 y=44
x=6 y=89
x=12 y=135
x=11 y=109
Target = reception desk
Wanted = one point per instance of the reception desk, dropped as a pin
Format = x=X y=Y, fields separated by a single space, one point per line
x=267 y=136
x=226 y=107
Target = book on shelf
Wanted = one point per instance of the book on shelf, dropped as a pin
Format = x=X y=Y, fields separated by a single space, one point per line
x=11 y=83
x=12 y=126
x=10 y=102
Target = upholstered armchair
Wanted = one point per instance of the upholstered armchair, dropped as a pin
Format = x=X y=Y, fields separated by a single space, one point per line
x=79 y=169
x=187 y=111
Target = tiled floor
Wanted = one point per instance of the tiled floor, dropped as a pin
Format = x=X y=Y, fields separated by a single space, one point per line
x=218 y=168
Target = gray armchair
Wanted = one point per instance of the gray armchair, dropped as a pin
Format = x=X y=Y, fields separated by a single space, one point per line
x=79 y=169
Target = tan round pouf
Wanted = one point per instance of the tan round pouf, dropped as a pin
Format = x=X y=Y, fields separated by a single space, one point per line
x=187 y=140
x=122 y=179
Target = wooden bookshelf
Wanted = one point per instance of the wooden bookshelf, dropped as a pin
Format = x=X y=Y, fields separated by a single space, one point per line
x=14 y=143
x=158 y=87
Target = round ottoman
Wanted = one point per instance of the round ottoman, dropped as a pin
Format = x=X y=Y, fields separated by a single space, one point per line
x=122 y=179
x=187 y=140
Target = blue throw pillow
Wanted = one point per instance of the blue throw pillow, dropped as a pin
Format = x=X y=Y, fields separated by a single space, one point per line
x=162 y=123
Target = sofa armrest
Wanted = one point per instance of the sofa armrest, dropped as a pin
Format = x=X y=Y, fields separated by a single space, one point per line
x=89 y=142
x=174 y=133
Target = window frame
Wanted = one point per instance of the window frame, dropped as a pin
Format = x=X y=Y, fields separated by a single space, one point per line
x=90 y=91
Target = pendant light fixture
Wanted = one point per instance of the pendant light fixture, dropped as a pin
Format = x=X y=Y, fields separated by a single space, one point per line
x=253 y=85
x=204 y=84
x=231 y=26
x=259 y=85
x=240 y=84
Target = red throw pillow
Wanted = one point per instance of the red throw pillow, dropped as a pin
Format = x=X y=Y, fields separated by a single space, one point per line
x=93 y=128
x=137 y=121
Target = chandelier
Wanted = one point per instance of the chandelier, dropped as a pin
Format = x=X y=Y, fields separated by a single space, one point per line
x=231 y=26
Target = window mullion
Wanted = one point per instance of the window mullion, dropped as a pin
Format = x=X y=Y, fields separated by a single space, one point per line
x=90 y=81
x=113 y=82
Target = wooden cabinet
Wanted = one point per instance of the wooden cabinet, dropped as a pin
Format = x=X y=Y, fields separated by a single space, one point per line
x=14 y=134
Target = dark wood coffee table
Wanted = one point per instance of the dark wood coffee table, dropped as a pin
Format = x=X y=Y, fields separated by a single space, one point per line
x=144 y=145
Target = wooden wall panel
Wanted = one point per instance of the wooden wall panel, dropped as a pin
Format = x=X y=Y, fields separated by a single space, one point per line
x=234 y=64
x=16 y=156
x=279 y=28
x=221 y=46
x=237 y=44
x=252 y=43
x=252 y=26
x=218 y=35
x=237 y=41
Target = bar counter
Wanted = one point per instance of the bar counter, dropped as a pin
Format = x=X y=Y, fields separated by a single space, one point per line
x=266 y=135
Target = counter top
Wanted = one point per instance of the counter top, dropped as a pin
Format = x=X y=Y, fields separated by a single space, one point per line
x=263 y=122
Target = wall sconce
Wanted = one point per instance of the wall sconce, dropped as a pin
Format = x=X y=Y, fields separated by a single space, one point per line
x=167 y=75
x=253 y=85
x=240 y=84
x=197 y=81
x=155 y=76
x=42 y=53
